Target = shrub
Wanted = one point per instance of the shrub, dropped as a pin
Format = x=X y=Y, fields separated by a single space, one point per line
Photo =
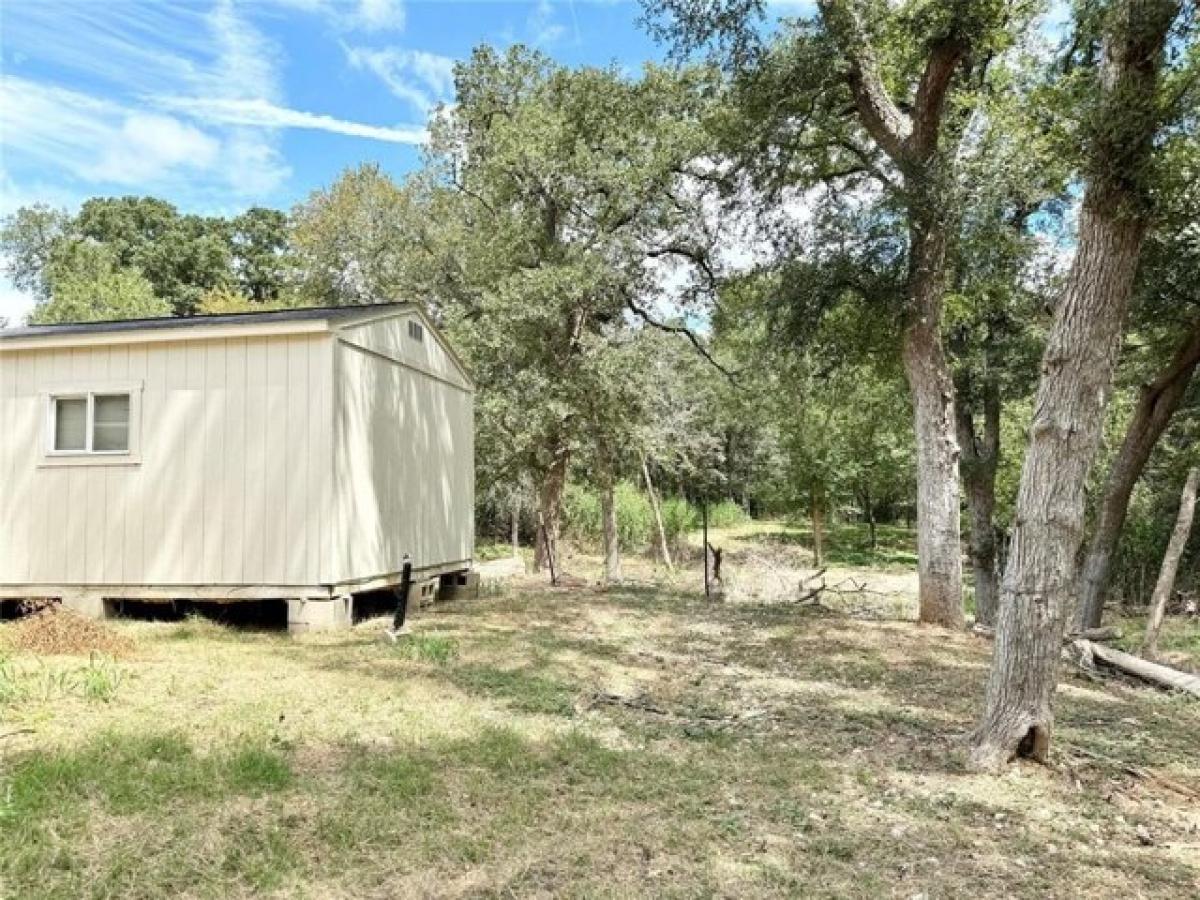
x=726 y=514
x=679 y=517
x=582 y=520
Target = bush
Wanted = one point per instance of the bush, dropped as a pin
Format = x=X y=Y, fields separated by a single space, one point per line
x=582 y=520
x=726 y=514
x=679 y=517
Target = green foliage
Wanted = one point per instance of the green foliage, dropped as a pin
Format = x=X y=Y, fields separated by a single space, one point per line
x=129 y=257
x=128 y=773
x=88 y=285
x=679 y=518
x=100 y=679
x=430 y=648
x=726 y=514
x=584 y=523
x=523 y=690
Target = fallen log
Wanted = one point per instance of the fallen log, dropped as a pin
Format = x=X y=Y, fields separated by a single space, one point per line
x=1163 y=676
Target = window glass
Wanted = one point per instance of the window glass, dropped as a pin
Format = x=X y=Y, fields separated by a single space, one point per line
x=110 y=423
x=70 y=423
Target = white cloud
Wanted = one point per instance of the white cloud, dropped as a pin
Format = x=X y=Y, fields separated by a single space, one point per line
x=542 y=27
x=419 y=78
x=96 y=139
x=375 y=15
x=156 y=144
x=180 y=99
x=354 y=15
x=262 y=114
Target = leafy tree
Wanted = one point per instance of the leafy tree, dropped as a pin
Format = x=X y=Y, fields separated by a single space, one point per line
x=1120 y=94
x=27 y=240
x=183 y=257
x=90 y=286
x=546 y=192
x=1161 y=360
x=871 y=92
x=351 y=240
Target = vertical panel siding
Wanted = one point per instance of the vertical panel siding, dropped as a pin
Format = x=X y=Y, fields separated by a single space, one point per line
x=233 y=480
x=403 y=467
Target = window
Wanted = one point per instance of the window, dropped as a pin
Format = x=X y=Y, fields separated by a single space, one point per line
x=90 y=423
x=415 y=330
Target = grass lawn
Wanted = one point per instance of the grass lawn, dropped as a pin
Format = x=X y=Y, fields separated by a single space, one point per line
x=582 y=742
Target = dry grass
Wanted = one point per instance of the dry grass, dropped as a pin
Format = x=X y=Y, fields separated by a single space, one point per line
x=631 y=742
x=57 y=631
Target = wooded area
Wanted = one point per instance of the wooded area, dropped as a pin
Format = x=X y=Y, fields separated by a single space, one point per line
x=883 y=264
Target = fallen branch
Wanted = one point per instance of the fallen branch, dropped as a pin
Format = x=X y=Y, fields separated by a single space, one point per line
x=1163 y=676
x=1091 y=634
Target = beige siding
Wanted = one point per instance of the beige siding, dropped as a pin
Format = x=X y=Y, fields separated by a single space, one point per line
x=388 y=337
x=233 y=483
x=403 y=454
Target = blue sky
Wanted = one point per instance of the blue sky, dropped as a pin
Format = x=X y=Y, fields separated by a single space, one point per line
x=216 y=105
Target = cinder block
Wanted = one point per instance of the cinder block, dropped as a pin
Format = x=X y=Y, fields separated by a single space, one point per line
x=305 y=615
x=459 y=586
x=88 y=603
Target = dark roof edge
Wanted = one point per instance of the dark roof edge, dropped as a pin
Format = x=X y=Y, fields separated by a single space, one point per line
x=309 y=313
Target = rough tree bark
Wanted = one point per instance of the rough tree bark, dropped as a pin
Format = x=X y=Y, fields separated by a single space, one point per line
x=910 y=140
x=1170 y=564
x=1076 y=376
x=664 y=549
x=980 y=458
x=939 y=549
x=1156 y=405
x=550 y=496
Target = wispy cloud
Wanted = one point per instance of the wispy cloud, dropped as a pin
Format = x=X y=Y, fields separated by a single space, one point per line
x=99 y=140
x=354 y=15
x=183 y=99
x=542 y=25
x=418 y=78
x=263 y=114
x=376 y=15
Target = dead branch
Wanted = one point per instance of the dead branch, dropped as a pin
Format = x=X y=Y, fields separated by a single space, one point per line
x=1108 y=633
x=1155 y=673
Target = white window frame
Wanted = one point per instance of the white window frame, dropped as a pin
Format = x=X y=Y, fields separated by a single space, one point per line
x=87 y=456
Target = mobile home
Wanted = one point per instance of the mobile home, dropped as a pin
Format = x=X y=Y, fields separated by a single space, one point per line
x=297 y=454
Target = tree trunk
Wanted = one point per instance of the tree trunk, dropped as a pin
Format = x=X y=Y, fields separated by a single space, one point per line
x=550 y=508
x=980 y=458
x=1157 y=404
x=869 y=510
x=939 y=552
x=1170 y=564
x=664 y=549
x=516 y=527
x=816 y=511
x=1041 y=581
x=608 y=513
x=1077 y=369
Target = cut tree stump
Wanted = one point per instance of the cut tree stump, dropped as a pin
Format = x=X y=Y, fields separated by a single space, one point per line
x=1155 y=673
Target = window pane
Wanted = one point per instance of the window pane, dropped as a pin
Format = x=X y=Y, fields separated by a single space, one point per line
x=70 y=424
x=110 y=423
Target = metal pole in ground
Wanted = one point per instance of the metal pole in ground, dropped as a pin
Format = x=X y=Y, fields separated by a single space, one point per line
x=402 y=597
x=704 y=519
